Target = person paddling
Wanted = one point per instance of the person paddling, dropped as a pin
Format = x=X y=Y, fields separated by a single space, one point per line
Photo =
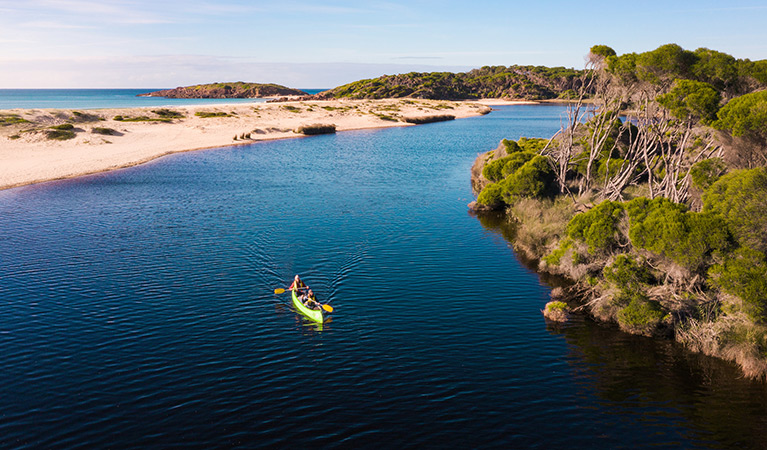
x=311 y=300
x=297 y=284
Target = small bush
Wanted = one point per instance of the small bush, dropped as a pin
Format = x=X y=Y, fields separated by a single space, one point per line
x=63 y=126
x=535 y=179
x=491 y=195
x=105 y=131
x=317 y=128
x=13 y=137
x=740 y=197
x=59 y=135
x=292 y=108
x=206 y=114
x=626 y=273
x=640 y=316
x=556 y=311
x=598 y=227
x=534 y=145
x=555 y=257
x=168 y=113
x=11 y=119
x=668 y=229
x=429 y=119
x=707 y=172
x=118 y=118
x=744 y=274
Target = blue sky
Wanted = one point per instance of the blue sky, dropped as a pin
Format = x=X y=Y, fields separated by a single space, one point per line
x=141 y=43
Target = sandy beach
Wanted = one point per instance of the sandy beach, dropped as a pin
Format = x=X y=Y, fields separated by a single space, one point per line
x=108 y=139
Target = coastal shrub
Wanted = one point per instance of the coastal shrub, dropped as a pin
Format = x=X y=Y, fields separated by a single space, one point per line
x=63 y=126
x=13 y=137
x=491 y=195
x=11 y=119
x=510 y=146
x=692 y=101
x=556 y=311
x=103 y=130
x=501 y=168
x=740 y=197
x=555 y=257
x=291 y=108
x=429 y=119
x=745 y=116
x=514 y=162
x=744 y=274
x=626 y=273
x=705 y=173
x=534 y=145
x=668 y=229
x=640 y=316
x=59 y=135
x=317 y=128
x=598 y=227
x=535 y=179
x=168 y=113
x=118 y=118
x=206 y=114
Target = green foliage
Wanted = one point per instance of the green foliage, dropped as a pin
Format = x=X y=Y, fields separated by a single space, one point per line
x=141 y=119
x=514 y=162
x=530 y=82
x=317 y=128
x=665 y=64
x=535 y=179
x=602 y=50
x=598 y=227
x=745 y=116
x=557 y=306
x=717 y=68
x=640 y=315
x=511 y=146
x=63 y=126
x=59 y=134
x=291 y=108
x=740 y=197
x=491 y=195
x=207 y=114
x=555 y=257
x=691 y=100
x=11 y=119
x=103 y=130
x=626 y=273
x=168 y=113
x=705 y=173
x=668 y=229
x=744 y=274
x=534 y=145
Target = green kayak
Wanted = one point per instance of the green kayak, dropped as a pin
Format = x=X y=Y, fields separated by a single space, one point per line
x=314 y=314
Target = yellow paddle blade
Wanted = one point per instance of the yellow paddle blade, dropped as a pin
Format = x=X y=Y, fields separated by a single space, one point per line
x=279 y=291
x=327 y=308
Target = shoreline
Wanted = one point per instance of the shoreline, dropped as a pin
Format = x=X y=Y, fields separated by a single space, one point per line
x=29 y=156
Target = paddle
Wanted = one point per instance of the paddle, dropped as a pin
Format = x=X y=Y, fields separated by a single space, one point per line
x=327 y=308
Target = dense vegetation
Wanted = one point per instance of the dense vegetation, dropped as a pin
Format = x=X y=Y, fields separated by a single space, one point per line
x=655 y=202
x=237 y=89
x=519 y=82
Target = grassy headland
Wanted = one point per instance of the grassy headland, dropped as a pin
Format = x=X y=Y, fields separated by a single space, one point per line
x=655 y=203
x=237 y=89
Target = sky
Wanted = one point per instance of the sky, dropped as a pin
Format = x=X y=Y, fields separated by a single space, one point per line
x=322 y=44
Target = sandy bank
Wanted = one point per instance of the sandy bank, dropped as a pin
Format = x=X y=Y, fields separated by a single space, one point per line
x=28 y=155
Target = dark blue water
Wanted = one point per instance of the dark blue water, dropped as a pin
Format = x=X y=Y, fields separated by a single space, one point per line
x=137 y=310
x=103 y=98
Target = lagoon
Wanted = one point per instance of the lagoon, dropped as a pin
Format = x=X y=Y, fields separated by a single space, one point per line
x=137 y=309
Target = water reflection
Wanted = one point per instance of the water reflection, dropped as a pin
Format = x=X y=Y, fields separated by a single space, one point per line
x=655 y=379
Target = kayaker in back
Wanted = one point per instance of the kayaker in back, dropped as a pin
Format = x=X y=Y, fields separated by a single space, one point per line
x=297 y=283
x=311 y=301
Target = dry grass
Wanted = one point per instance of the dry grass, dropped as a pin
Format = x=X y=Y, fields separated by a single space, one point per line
x=542 y=224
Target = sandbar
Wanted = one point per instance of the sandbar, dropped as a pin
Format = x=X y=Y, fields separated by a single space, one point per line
x=28 y=155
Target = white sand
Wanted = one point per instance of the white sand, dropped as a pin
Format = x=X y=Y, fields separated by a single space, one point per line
x=33 y=158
